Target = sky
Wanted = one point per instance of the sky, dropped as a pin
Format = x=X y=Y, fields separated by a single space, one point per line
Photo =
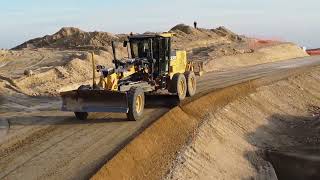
x=287 y=20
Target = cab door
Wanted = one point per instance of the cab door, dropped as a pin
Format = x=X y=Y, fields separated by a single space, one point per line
x=164 y=55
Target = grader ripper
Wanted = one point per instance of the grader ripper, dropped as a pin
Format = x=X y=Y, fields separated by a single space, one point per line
x=151 y=66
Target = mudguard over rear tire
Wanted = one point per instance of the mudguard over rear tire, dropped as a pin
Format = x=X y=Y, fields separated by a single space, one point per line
x=136 y=102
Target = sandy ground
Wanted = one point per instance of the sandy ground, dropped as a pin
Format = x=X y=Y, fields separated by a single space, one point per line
x=232 y=142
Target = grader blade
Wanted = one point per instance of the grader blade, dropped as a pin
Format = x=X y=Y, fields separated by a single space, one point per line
x=94 y=101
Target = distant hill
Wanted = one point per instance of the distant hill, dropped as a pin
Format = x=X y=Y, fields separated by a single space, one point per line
x=74 y=38
x=70 y=37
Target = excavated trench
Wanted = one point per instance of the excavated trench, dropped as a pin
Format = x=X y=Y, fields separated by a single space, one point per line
x=258 y=130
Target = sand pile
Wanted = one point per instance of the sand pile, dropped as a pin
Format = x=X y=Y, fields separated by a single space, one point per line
x=223 y=31
x=76 y=70
x=188 y=37
x=71 y=38
x=184 y=28
x=220 y=31
x=230 y=58
x=74 y=38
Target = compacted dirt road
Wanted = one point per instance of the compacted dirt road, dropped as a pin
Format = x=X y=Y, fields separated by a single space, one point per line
x=37 y=141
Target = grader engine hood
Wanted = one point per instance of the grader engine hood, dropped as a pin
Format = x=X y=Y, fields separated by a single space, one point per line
x=94 y=101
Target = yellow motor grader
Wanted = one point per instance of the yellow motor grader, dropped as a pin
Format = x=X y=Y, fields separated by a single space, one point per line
x=152 y=66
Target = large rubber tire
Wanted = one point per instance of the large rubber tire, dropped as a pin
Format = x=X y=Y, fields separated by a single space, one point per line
x=81 y=115
x=136 y=102
x=179 y=86
x=191 y=83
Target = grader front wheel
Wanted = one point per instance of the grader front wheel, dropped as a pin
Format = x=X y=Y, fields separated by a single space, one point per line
x=82 y=115
x=136 y=101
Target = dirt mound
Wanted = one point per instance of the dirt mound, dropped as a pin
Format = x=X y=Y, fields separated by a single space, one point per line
x=71 y=38
x=220 y=31
x=184 y=28
x=189 y=38
x=223 y=31
x=233 y=58
x=76 y=70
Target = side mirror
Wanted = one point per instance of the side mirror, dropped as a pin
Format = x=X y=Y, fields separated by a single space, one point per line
x=125 y=43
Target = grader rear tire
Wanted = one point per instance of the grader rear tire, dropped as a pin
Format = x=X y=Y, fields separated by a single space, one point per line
x=191 y=83
x=136 y=101
x=179 y=86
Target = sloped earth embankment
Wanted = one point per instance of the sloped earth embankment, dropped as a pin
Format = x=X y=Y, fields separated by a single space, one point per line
x=241 y=132
x=277 y=52
x=271 y=133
